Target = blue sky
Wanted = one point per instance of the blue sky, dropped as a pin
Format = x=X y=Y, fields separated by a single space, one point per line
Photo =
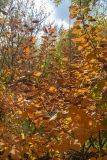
x=60 y=14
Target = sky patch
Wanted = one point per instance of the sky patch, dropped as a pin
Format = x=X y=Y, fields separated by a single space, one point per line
x=58 y=15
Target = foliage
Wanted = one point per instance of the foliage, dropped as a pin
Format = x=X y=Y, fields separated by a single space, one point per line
x=57 y=2
x=53 y=89
x=3 y=3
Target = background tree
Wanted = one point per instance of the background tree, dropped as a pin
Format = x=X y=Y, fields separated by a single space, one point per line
x=18 y=28
x=3 y=3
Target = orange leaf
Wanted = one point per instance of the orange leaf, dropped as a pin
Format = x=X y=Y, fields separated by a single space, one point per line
x=82 y=135
x=62 y=70
x=98 y=38
x=73 y=8
x=81 y=39
x=77 y=23
x=72 y=16
x=37 y=74
x=52 y=89
x=65 y=59
x=77 y=31
x=27 y=51
x=80 y=48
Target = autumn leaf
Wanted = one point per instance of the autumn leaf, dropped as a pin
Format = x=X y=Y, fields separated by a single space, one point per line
x=22 y=135
x=44 y=44
x=33 y=40
x=27 y=51
x=72 y=8
x=80 y=48
x=19 y=112
x=98 y=39
x=80 y=39
x=62 y=70
x=77 y=31
x=77 y=23
x=37 y=74
x=52 y=89
x=53 y=93
x=72 y=16
x=90 y=18
x=65 y=59
x=51 y=30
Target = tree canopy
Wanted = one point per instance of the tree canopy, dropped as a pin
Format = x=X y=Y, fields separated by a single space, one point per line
x=53 y=84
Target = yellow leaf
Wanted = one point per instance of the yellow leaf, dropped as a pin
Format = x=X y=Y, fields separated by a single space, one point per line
x=23 y=136
x=93 y=60
x=34 y=40
x=90 y=123
x=86 y=44
x=93 y=107
x=80 y=48
x=19 y=112
x=90 y=18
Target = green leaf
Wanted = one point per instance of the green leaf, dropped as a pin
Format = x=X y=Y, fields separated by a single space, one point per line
x=105 y=122
x=40 y=130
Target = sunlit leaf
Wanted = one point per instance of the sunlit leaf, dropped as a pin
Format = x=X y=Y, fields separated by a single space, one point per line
x=72 y=16
x=52 y=89
x=77 y=23
x=37 y=74
x=77 y=31
x=27 y=51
